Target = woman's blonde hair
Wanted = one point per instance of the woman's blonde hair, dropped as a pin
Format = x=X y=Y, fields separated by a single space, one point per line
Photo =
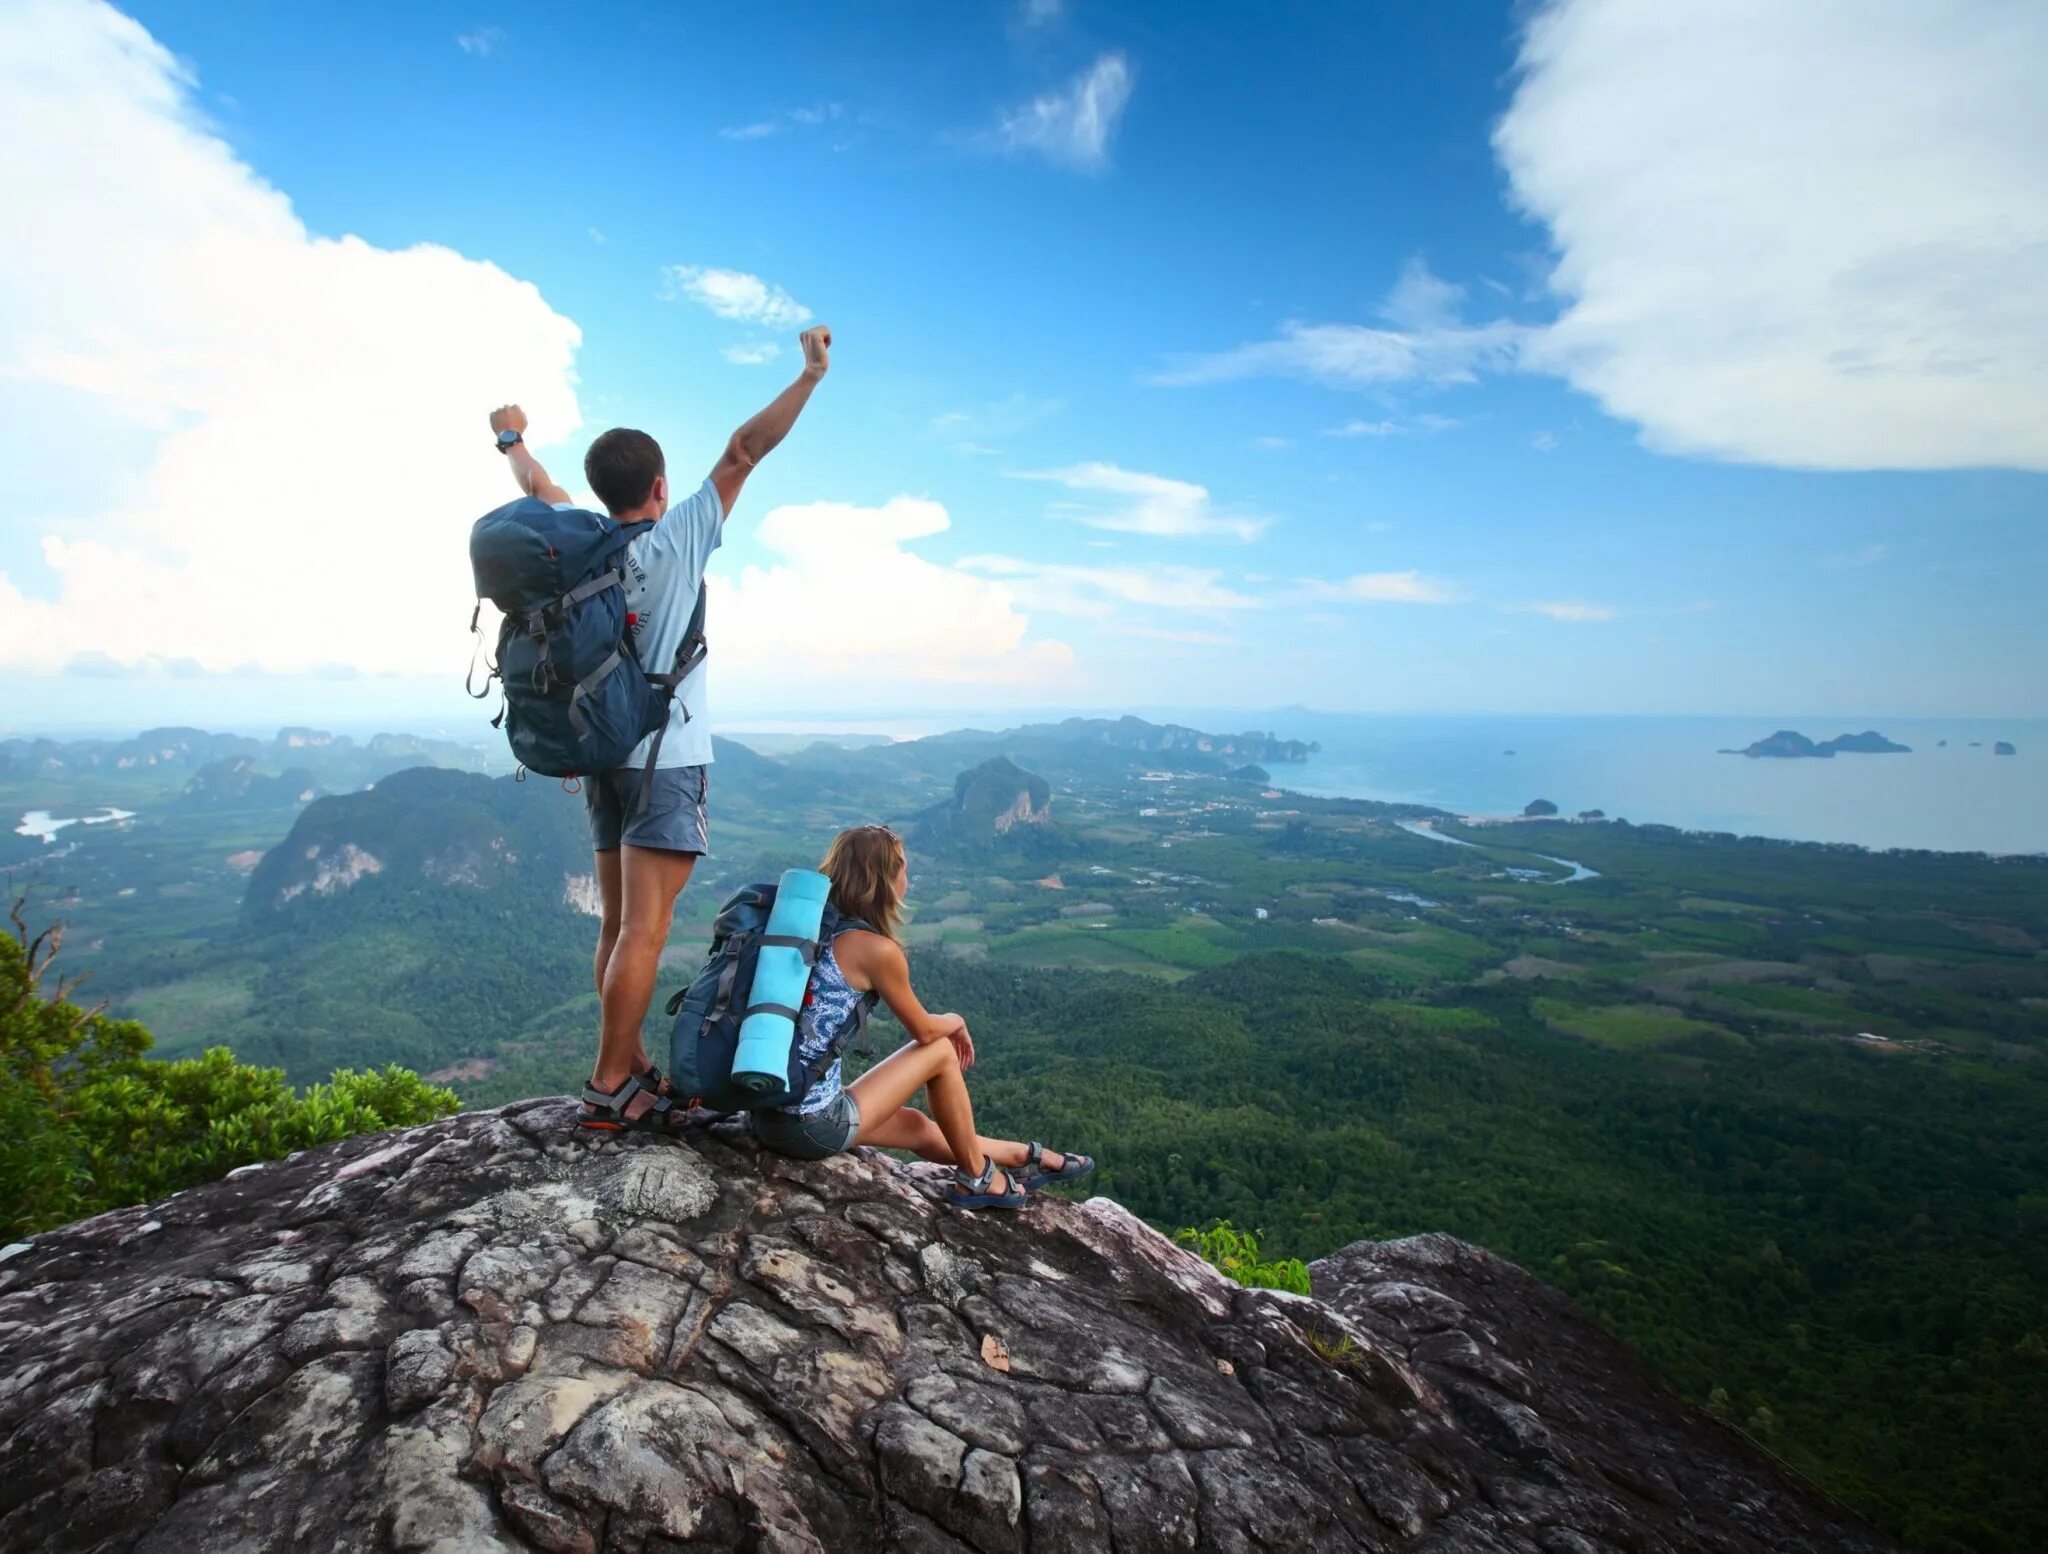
x=862 y=863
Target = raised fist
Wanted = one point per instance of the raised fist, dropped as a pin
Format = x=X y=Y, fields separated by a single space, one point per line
x=817 y=344
x=508 y=418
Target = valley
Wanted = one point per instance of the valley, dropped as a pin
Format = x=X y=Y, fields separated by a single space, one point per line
x=1774 y=1112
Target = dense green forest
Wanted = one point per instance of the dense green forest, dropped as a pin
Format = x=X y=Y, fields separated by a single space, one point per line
x=89 y=1121
x=1776 y=1113
x=1855 y=1282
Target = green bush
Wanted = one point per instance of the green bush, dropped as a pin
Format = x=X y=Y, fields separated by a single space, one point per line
x=1236 y=1253
x=88 y=1122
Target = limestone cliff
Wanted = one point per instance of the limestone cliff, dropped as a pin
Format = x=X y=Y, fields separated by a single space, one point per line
x=487 y=1334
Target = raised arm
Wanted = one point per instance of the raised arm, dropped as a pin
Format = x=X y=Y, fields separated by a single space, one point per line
x=752 y=442
x=526 y=470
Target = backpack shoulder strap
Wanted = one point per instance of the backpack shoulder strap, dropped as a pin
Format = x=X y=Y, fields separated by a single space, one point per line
x=690 y=652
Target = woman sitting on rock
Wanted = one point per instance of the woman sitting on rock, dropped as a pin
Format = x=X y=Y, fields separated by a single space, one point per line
x=870 y=877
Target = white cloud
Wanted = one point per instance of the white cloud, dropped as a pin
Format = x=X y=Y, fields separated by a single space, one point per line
x=308 y=411
x=1383 y=588
x=1004 y=418
x=484 y=42
x=803 y=118
x=1362 y=429
x=1578 y=614
x=1422 y=340
x=1809 y=234
x=1072 y=127
x=1865 y=556
x=734 y=294
x=1148 y=504
x=1272 y=444
x=1184 y=638
x=757 y=354
x=1038 y=13
x=1544 y=442
x=1061 y=588
x=854 y=606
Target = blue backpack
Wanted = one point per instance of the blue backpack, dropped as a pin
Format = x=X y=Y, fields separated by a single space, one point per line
x=577 y=698
x=709 y=1012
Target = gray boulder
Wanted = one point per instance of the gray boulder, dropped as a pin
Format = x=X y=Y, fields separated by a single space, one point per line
x=488 y=1334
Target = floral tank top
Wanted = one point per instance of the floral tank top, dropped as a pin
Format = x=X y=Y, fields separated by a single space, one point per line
x=828 y=1010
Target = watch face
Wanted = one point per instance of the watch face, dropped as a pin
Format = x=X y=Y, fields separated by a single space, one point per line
x=507 y=437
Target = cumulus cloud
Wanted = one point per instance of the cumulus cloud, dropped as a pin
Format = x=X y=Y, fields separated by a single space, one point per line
x=1147 y=504
x=310 y=410
x=1422 y=337
x=734 y=294
x=1811 y=235
x=854 y=606
x=1383 y=588
x=1072 y=127
x=1062 y=588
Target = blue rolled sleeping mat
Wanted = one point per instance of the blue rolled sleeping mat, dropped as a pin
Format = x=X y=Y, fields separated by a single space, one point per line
x=782 y=972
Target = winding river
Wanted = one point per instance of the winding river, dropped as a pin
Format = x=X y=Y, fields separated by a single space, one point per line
x=1579 y=870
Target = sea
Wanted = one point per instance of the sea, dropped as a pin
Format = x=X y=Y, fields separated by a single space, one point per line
x=1949 y=794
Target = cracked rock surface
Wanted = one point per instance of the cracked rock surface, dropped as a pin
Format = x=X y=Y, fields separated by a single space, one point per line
x=490 y=1334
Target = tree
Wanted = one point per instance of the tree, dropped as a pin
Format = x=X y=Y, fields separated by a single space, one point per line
x=88 y=1122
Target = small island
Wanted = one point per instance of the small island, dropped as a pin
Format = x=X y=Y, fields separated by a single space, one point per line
x=1788 y=745
x=1251 y=772
x=1539 y=809
x=2004 y=747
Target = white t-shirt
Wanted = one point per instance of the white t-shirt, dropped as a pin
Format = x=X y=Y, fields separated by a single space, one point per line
x=664 y=568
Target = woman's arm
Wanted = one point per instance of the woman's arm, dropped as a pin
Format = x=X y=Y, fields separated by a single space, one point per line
x=880 y=962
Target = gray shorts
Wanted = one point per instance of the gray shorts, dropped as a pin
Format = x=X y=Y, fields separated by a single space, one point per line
x=822 y=1134
x=672 y=820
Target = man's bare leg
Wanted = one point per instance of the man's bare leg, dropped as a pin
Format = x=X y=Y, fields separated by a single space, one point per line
x=649 y=879
x=608 y=912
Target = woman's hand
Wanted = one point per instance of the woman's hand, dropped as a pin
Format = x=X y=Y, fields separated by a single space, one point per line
x=953 y=1028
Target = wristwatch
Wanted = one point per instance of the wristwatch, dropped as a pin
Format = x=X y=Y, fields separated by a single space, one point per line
x=506 y=440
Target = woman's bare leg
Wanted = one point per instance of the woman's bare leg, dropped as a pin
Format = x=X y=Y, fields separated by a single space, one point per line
x=948 y=1135
x=908 y=1128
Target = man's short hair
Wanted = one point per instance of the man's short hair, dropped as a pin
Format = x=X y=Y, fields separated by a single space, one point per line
x=621 y=467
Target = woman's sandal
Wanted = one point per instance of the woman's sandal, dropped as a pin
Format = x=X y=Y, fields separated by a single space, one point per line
x=1072 y=1167
x=978 y=1192
x=604 y=1111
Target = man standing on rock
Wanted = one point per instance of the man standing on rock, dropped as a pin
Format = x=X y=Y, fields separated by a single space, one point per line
x=645 y=853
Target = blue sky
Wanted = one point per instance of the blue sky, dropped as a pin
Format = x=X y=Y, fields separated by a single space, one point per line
x=1597 y=356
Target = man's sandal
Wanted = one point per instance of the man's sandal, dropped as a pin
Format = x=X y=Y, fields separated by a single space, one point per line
x=604 y=1111
x=978 y=1192
x=1072 y=1167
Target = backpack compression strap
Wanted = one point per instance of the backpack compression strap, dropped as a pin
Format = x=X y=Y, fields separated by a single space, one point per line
x=690 y=652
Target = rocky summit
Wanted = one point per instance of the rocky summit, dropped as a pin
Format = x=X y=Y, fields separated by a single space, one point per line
x=490 y=1334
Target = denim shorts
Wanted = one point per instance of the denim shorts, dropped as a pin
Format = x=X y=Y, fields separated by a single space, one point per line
x=821 y=1134
x=673 y=818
